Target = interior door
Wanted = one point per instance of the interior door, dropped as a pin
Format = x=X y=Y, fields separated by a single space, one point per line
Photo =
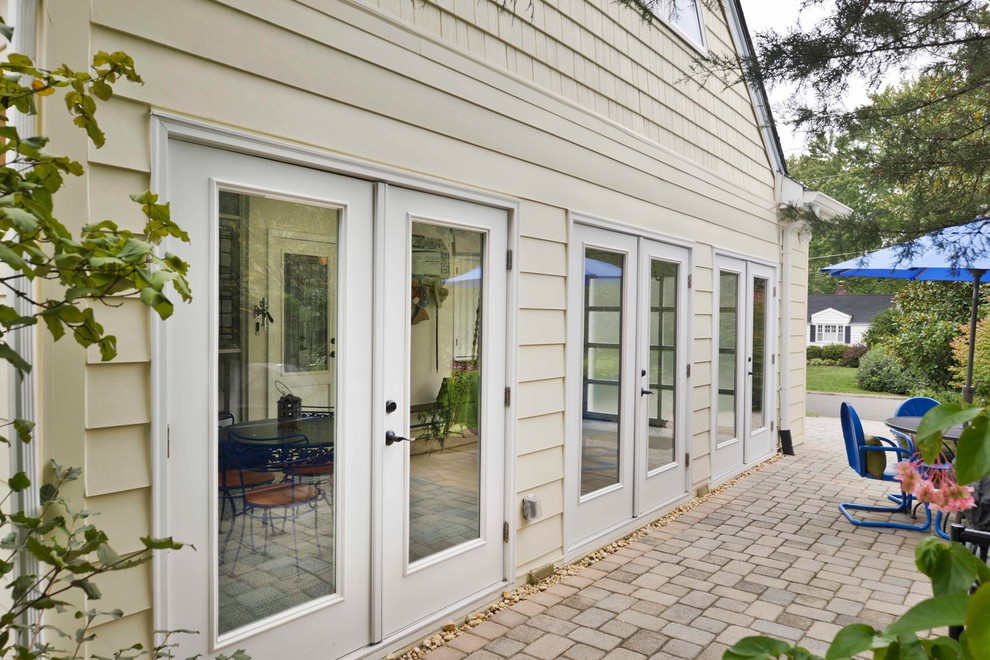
x=289 y=576
x=661 y=440
x=301 y=293
x=444 y=381
x=744 y=370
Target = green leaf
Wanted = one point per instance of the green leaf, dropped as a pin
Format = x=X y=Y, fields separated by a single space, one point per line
x=161 y=543
x=92 y=591
x=851 y=640
x=24 y=428
x=938 y=420
x=932 y=613
x=25 y=223
x=134 y=250
x=21 y=585
x=19 y=482
x=973 y=452
x=954 y=572
x=157 y=301
x=107 y=555
x=756 y=648
x=978 y=620
x=926 y=555
x=14 y=358
x=910 y=648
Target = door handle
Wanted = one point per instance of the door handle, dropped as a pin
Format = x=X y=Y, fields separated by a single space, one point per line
x=391 y=438
x=647 y=392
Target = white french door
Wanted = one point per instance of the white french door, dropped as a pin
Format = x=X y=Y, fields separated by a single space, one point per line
x=444 y=471
x=744 y=370
x=627 y=348
x=277 y=399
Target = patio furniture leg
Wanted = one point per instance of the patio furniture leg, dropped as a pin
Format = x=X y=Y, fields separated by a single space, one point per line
x=905 y=507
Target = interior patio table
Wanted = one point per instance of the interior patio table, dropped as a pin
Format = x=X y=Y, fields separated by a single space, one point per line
x=318 y=430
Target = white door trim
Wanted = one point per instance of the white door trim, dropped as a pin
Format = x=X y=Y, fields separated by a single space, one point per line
x=165 y=127
x=746 y=275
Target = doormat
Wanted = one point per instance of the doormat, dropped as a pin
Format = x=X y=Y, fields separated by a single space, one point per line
x=509 y=598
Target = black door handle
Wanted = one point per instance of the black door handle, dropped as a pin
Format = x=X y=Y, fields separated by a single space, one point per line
x=391 y=438
x=646 y=392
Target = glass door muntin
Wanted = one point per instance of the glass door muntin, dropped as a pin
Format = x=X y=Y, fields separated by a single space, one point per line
x=590 y=515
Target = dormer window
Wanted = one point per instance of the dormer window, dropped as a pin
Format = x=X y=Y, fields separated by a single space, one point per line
x=685 y=15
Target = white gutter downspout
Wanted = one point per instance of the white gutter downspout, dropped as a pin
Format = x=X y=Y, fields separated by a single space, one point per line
x=800 y=231
x=22 y=388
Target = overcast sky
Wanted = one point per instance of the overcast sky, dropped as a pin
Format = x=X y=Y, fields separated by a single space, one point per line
x=779 y=15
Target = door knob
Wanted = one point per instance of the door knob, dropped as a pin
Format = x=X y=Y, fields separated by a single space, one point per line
x=391 y=438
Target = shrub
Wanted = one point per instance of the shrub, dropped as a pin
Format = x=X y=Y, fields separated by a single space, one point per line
x=813 y=353
x=822 y=362
x=981 y=360
x=884 y=325
x=853 y=354
x=881 y=371
x=834 y=352
x=940 y=395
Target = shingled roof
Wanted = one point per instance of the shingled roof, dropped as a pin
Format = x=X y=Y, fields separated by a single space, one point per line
x=862 y=308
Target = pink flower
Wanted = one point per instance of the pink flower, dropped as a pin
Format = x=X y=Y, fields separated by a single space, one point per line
x=934 y=485
x=955 y=498
x=908 y=475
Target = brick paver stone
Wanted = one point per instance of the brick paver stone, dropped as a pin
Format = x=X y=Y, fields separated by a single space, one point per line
x=771 y=555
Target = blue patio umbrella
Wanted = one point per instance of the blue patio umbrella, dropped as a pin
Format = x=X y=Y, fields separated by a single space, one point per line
x=592 y=268
x=954 y=254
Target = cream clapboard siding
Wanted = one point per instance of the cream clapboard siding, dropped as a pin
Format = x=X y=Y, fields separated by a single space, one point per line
x=603 y=130
x=604 y=57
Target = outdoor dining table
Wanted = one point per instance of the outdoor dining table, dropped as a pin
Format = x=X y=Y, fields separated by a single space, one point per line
x=909 y=425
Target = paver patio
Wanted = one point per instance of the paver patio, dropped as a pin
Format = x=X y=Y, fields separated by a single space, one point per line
x=770 y=555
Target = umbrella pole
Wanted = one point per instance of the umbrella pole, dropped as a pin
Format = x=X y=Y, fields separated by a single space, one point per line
x=967 y=392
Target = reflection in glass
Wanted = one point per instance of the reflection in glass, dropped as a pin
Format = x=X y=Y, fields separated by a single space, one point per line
x=446 y=303
x=663 y=363
x=728 y=310
x=276 y=388
x=759 y=352
x=305 y=312
x=684 y=14
x=602 y=369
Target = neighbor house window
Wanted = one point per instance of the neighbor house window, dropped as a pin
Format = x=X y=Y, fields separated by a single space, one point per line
x=835 y=334
x=686 y=15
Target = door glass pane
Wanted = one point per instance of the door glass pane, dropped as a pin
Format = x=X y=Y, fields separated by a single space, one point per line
x=728 y=311
x=276 y=389
x=602 y=369
x=446 y=303
x=663 y=363
x=759 y=352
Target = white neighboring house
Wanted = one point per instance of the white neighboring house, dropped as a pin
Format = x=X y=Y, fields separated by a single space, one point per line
x=843 y=318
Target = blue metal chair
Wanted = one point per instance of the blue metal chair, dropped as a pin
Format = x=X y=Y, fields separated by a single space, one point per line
x=916 y=406
x=856 y=452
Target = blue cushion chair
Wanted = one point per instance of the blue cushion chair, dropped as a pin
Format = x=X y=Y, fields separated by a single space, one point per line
x=857 y=451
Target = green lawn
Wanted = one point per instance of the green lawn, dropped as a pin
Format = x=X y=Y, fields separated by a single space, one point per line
x=834 y=379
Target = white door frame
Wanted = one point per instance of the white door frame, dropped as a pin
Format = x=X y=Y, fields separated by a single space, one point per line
x=747 y=268
x=577 y=542
x=166 y=127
